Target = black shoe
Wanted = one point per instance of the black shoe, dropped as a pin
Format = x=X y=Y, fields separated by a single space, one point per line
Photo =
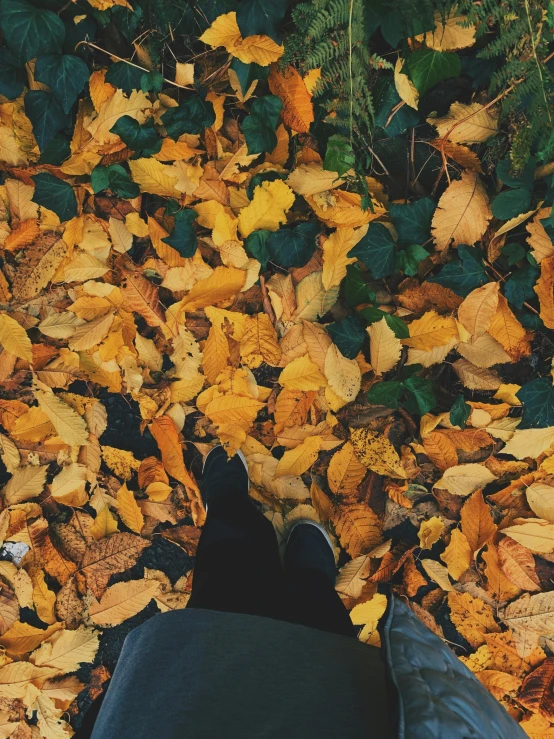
x=222 y=476
x=309 y=546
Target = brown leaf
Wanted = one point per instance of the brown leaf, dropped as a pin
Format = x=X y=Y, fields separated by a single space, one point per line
x=164 y=431
x=518 y=564
x=345 y=472
x=462 y=214
x=358 y=528
x=109 y=555
x=298 y=112
x=472 y=618
x=537 y=691
x=545 y=291
x=477 y=524
x=141 y=297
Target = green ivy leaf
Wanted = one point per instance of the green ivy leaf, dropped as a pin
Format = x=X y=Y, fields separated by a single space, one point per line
x=339 y=155
x=524 y=180
x=124 y=76
x=30 y=31
x=427 y=67
x=191 y=116
x=464 y=274
x=56 y=151
x=143 y=138
x=259 y=127
x=12 y=77
x=387 y=99
x=183 y=238
x=356 y=290
x=537 y=397
x=460 y=411
x=46 y=115
x=56 y=195
x=513 y=253
x=519 y=287
x=420 y=395
x=65 y=74
x=261 y=17
x=349 y=335
x=388 y=393
x=256 y=245
x=413 y=220
x=247 y=73
x=293 y=246
x=376 y=250
x=409 y=259
x=115 y=178
x=372 y=315
x=152 y=81
x=511 y=203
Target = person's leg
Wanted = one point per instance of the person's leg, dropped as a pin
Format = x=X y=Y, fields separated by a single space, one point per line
x=310 y=573
x=237 y=566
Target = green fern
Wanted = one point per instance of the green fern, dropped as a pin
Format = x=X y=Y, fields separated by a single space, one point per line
x=523 y=41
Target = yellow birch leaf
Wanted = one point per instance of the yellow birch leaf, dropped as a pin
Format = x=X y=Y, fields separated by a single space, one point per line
x=25 y=483
x=72 y=478
x=122 y=601
x=222 y=284
x=153 y=177
x=22 y=638
x=477 y=524
x=457 y=555
x=259 y=342
x=92 y=333
x=430 y=532
x=358 y=528
x=184 y=74
x=459 y=153
x=49 y=723
x=545 y=291
x=317 y=341
x=16 y=679
x=311 y=179
x=83 y=267
x=158 y=491
x=100 y=91
x=472 y=617
x=121 y=462
x=224 y=31
x=450 y=33
x=298 y=460
x=136 y=225
x=473 y=124
x=541 y=500
x=478 y=308
x=298 y=109
x=438 y=573
x=68 y=424
x=267 y=209
x=44 y=599
x=509 y=332
x=462 y=213
x=67 y=650
x=430 y=331
x=257 y=49
x=302 y=374
x=404 y=86
x=14 y=339
x=215 y=353
x=536 y=536
x=312 y=299
x=384 y=347
x=128 y=509
x=343 y=375
x=32 y=426
x=530 y=442
x=104 y=524
x=368 y=614
x=164 y=431
x=376 y=453
x=498 y=585
x=538 y=239
x=335 y=259
x=135 y=106
x=345 y=472
x=464 y=479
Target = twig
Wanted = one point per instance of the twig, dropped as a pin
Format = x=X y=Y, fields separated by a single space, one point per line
x=132 y=64
x=351 y=12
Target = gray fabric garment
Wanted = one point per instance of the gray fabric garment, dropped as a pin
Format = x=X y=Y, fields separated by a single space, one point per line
x=438 y=697
x=198 y=674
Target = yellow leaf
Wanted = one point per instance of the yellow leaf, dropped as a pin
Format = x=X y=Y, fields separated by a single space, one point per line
x=358 y=528
x=32 y=426
x=312 y=299
x=128 y=510
x=345 y=472
x=476 y=378
x=472 y=617
x=164 y=431
x=545 y=291
x=450 y=32
x=302 y=374
x=44 y=599
x=135 y=106
x=430 y=532
x=311 y=179
x=122 y=601
x=298 y=460
x=158 y=491
x=462 y=213
x=466 y=124
x=68 y=424
x=507 y=393
x=438 y=573
x=121 y=462
x=222 y=284
x=298 y=110
x=376 y=453
x=461 y=154
x=267 y=209
x=341 y=208
x=457 y=555
x=260 y=50
x=10 y=151
x=477 y=524
x=431 y=330
x=71 y=480
x=83 y=267
x=538 y=239
x=184 y=74
x=541 y=500
x=343 y=375
x=49 y=723
x=16 y=677
x=153 y=177
x=530 y=442
x=136 y=225
x=478 y=308
x=384 y=347
x=404 y=86
x=104 y=524
x=259 y=342
x=25 y=483
x=60 y=325
x=14 y=339
x=224 y=31
x=88 y=335
x=368 y=614
x=22 y=638
x=509 y=332
x=67 y=650
x=464 y=479
x=536 y=536
x=100 y=91
x=335 y=259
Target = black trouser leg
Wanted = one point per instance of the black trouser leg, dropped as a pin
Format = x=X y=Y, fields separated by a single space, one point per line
x=313 y=601
x=237 y=566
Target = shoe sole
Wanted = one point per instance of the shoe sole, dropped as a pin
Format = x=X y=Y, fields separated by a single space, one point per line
x=317 y=526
